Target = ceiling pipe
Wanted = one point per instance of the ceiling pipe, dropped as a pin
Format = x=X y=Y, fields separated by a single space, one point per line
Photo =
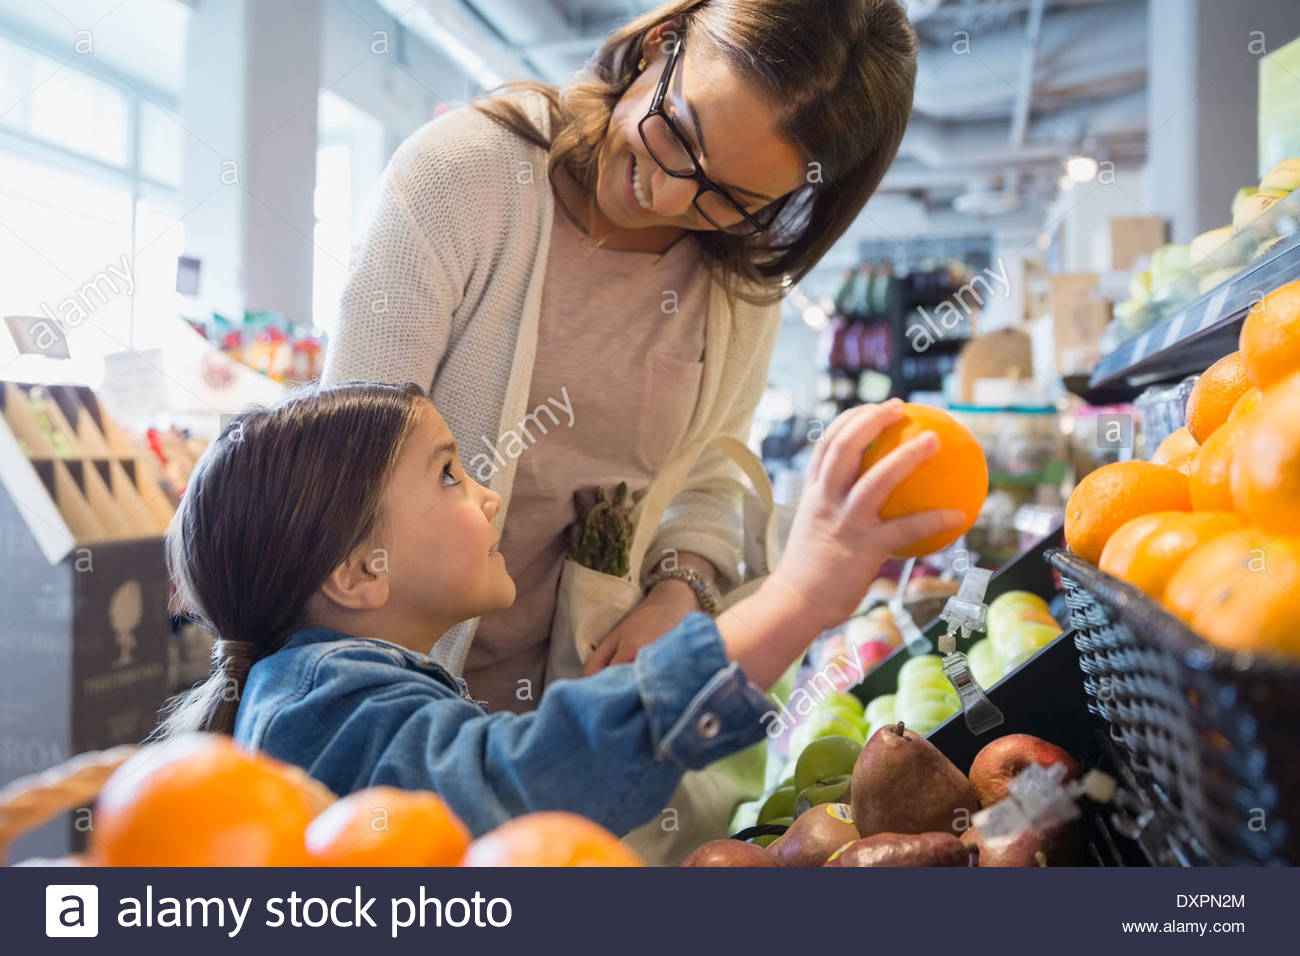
x=976 y=76
x=446 y=26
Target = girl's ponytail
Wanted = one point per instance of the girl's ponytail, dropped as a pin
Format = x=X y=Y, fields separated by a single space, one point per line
x=212 y=705
x=277 y=502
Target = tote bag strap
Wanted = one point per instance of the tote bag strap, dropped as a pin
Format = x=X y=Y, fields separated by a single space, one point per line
x=670 y=481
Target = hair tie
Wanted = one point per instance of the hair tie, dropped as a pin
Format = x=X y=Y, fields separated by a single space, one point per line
x=237 y=657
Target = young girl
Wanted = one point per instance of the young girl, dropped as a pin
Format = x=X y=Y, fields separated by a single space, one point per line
x=330 y=540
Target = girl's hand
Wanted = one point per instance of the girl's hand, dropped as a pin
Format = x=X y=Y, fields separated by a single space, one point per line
x=838 y=540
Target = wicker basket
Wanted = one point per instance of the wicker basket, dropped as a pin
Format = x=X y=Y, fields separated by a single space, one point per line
x=31 y=802
x=1213 y=736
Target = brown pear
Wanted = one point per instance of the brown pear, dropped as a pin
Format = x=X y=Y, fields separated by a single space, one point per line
x=815 y=835
x=729 y=853
x=903 y=849
x=903 y=784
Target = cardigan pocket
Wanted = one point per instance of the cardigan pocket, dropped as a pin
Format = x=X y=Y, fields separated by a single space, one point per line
x=669 y=393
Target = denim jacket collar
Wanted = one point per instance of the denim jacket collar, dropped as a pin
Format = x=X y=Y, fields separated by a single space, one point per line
x=412 y=659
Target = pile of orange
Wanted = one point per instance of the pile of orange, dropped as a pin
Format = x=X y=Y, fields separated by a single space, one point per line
x=202 y=800
x=1210 y=526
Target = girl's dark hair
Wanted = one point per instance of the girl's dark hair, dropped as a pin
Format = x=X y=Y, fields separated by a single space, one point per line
x=839 y=72
x=276 y=503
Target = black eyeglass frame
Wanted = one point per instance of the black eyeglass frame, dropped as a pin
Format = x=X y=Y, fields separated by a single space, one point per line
x=704 y=182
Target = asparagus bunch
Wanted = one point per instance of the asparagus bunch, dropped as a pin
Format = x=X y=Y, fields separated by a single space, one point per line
x=601 y=537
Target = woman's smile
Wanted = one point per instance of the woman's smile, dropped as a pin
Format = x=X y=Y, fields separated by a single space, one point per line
x=635 y=191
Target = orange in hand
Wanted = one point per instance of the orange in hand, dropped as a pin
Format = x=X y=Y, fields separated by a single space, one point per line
x=1117 y=493
x=956 y=476
x=1214 y=395
x=386 y=826
x=550 y=838
x=200 y=800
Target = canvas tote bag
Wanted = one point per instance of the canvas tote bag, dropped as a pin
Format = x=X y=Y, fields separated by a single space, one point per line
x=588 y=606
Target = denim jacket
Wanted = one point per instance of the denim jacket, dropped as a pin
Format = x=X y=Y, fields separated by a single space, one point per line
x=355 y=712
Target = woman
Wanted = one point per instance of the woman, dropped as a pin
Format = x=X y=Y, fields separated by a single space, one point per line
x=587 y=278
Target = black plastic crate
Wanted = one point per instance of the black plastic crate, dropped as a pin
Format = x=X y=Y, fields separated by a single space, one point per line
x=1212 y=737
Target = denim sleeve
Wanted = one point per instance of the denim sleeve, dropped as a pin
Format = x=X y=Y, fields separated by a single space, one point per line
x=610 y=747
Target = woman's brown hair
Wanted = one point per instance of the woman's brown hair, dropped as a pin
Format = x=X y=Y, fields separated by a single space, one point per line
x=277 y=502
x=841 y=73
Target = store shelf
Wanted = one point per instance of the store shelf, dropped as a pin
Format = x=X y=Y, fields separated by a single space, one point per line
x=1191 y=339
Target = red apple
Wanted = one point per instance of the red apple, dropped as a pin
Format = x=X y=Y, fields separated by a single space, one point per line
x=871 y=654
x=1002 y=760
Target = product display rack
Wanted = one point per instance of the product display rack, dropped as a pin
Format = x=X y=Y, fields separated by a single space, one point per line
x=1191 y=339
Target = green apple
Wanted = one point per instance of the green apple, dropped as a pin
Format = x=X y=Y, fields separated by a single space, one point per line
x=921 y=670
x=1024 y=642
x=880 y=710
x=984 y=663
x=827 y=791
x=824 y=759
x=779 y=804
x=909 y=697
x=825 y=724
x=1007 y=611
x=841 y=702
x=925 y=715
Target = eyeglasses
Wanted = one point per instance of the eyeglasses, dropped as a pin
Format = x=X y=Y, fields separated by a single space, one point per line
x=669 y=148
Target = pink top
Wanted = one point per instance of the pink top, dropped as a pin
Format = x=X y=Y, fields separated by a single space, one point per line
x=620 y=350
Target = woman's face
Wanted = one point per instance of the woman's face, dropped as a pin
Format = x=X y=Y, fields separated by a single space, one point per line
x=438 y=533
x=728 y=126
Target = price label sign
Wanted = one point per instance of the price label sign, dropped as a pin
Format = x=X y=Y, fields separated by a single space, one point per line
x=135 y=386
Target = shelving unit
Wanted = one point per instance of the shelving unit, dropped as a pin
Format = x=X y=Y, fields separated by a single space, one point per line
x=1191 y=339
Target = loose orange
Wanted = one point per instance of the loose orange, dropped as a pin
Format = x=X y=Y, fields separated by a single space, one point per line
x=1266 y=474
x=200 y=800
x=1146 y=551
x=1241 y=592
x=1117 y=493
x=1214 y=394
x=1210 y=482
x=1177 y=451
x=1270 y=336
x=385 y=826
x=550 y=838
x=957 y=476
x=1249 y=400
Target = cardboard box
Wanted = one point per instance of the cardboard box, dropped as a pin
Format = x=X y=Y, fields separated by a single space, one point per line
x=85 y=630
x=1135 y=237
x=1078 y=319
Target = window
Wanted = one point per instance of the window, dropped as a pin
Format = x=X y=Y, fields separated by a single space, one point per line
x=349 y=160
x=88 y=225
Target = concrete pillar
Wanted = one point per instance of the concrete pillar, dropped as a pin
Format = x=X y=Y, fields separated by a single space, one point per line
x=1203 y=103
x=249 y=107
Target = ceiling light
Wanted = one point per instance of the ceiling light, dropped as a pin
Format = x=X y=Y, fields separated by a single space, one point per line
x=1081 y=169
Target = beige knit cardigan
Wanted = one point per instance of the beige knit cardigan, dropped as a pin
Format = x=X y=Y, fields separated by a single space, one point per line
x=445 y=288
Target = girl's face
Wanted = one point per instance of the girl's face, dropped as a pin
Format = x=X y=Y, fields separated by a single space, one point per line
x=438 y=534
x=730 y=129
